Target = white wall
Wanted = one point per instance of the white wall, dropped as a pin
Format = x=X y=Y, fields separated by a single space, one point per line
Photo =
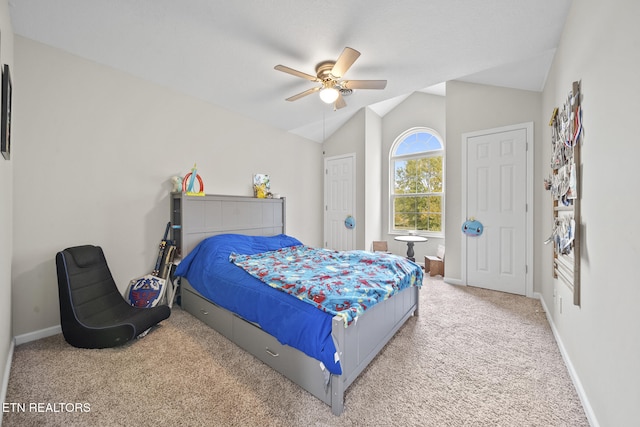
x=350 y=138
x=600 y=46
x=473 y=107
x=419 y=109
x=95 y=149
x=371 y=137
x=6 y=216
x=373 y=178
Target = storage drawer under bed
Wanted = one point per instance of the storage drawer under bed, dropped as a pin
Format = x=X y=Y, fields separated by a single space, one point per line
x=291 y=362
x=214 y=316
x=265 y=347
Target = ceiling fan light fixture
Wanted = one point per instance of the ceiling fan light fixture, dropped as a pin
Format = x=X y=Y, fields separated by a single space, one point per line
x=329 y=94
x=329 y=74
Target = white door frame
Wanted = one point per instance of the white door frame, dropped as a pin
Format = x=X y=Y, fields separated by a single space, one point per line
x=529 y=211
x=326 y=200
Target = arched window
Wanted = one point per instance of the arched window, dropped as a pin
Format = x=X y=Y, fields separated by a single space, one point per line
x=416 y=166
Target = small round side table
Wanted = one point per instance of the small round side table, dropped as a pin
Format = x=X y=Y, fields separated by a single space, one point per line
x=411 y=240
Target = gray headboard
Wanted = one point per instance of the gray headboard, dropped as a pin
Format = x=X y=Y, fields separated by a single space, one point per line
x=197 y=217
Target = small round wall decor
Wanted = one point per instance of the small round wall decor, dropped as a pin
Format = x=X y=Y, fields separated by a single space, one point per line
x=472 y=227
x=350 y=222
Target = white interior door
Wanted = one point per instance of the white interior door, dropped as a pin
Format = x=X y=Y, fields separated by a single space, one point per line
x=497 y=195
x=339 y=202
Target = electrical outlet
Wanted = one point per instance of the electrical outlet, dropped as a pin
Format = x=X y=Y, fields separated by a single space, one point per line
x=560 y=304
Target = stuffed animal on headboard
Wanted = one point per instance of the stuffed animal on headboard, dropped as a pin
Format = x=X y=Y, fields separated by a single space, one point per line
x=176 y=181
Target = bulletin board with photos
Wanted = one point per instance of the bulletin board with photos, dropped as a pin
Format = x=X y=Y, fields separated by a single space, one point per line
x=5 y=120
x=564 y=184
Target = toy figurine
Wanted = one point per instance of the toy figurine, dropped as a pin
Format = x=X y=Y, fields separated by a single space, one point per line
x=189 y=180
x=472 y=227
x=176 y=181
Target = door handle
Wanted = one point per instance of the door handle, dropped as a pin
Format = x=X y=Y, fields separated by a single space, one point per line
x=272 y=353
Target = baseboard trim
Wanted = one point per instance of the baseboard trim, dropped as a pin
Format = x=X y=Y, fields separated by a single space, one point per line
x=36 y=335
x=588 y=410
x=5 y=378
x=451 y=281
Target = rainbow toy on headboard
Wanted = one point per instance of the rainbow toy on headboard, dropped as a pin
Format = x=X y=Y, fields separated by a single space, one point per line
x=189 y=181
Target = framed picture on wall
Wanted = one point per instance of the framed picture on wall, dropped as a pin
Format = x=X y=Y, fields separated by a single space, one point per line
x=5 y=129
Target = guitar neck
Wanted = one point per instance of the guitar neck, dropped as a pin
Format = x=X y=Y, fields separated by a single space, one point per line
x=156 y=269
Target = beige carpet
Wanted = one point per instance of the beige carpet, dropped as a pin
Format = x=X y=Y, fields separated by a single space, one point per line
x=472 y=358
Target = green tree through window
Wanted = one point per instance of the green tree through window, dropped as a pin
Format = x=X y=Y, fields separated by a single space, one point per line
x=417 y=163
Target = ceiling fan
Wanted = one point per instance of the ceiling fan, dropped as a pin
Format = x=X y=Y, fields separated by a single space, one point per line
x=329 y=74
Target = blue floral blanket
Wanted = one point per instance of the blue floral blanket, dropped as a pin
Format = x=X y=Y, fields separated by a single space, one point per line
x=343 y=283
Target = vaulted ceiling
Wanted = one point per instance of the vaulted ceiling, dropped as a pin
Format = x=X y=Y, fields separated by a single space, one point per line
x=224 y=52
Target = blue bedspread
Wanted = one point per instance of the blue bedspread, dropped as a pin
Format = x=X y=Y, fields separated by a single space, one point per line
x=291 y=321
x=343 y=283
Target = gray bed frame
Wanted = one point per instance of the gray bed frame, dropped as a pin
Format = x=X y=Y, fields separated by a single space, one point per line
x=200 y=217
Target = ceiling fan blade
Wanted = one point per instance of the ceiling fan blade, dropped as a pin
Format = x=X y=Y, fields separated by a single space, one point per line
x=303 y=94
x=344 y=62
x=340 y=103
x=296 y=73
x=364 y=84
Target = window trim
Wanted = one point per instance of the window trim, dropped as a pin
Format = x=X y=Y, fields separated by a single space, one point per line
x=431 y=153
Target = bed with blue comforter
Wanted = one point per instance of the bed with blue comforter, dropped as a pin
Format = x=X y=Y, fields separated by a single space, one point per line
x=293 y=291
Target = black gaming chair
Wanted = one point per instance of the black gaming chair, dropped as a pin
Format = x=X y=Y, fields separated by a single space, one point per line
x=93 y=313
